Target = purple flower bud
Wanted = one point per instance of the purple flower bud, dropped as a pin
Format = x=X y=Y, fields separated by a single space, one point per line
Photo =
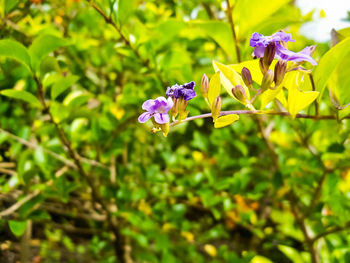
x=158 y=109
x=280 y=71
x=205 y=86
x=260 y=42
x=247 y=77
x=269 y=54
x=216 y=108
x=186 y=91
x=239 y=92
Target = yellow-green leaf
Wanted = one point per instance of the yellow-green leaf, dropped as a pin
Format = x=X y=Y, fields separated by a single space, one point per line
x=299 y=100
x=225 y=120
x=268 y=96
x=329 y=62
x=230 y=78
x=15 y=50
x=21 y=95
x=214 y=87
x=260 y=259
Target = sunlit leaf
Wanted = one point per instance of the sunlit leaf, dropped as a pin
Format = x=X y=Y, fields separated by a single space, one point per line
x=260 y=259
x=250 y=13
x=268 y=96
x=220 y=32
x=329 y=63
x=15 y=50
x=214 y=87
x=225 y=120
x=230 y=78
x=299 y=100
x=21 y=95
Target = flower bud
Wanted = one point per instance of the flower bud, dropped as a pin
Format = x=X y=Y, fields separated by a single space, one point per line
x=269 y=54
x=181 y=106
x=216 y=108
x=312 y=49
x=247 y=77
x=263 y=68
x=280 y=71
x=267 y=80
x=239 y=93
x=205 y=86
x=175 y=108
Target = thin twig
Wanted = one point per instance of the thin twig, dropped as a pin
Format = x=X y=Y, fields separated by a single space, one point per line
x=331 y=231
x=229 y=11
x=58 y=157
x=252 y=112
x=98 y=199
x=144 y=62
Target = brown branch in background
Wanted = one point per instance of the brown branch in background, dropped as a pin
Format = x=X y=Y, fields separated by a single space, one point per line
x=229 y=11
x=111 y=220
x=58 y=157
x=331 y=231
x=145 y=62
x=300 y=220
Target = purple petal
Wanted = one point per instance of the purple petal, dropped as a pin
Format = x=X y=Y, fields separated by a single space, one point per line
x=189 y=85
x=161 y=118
x=288 y=55
x=257 y=40
x=281 y=36
x=259 y=52
x=189 y=94
x=170 y=104
x=148 y=105
x=144 y=117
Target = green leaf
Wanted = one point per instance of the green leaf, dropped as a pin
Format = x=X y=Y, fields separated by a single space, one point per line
x=230 y=78
x=220 y=32
x=225 y=120
x=291 y=253
x=260 y=259
x=125 y=9
x=44 y=45
x=15 y=50
x=329 y=63
x=214 y=87
x=21 y=95
x=250 y=13
x=18 y=227
x=62 y=84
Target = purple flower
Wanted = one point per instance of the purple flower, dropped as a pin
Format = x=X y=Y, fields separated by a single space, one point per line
x=186 y=91
x=158 y=109
x=260 y=42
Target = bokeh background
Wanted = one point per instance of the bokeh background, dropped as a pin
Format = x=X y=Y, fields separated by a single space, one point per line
x=243 y=193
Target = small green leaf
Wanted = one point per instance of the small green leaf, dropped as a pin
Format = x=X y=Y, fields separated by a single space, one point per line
x=230 y=78
x=44 y=45
x=15 y=50
x=214 y=87
x=21 y=95
x=18 y=227
x=329 y=62
x=62 y=84
x=225 y=120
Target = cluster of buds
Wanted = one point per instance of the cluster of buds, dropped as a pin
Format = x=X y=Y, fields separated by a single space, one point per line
x=181 y=94
x=177 y=101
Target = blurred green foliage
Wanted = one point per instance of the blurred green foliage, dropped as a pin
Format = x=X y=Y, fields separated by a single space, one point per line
x=82 y=181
